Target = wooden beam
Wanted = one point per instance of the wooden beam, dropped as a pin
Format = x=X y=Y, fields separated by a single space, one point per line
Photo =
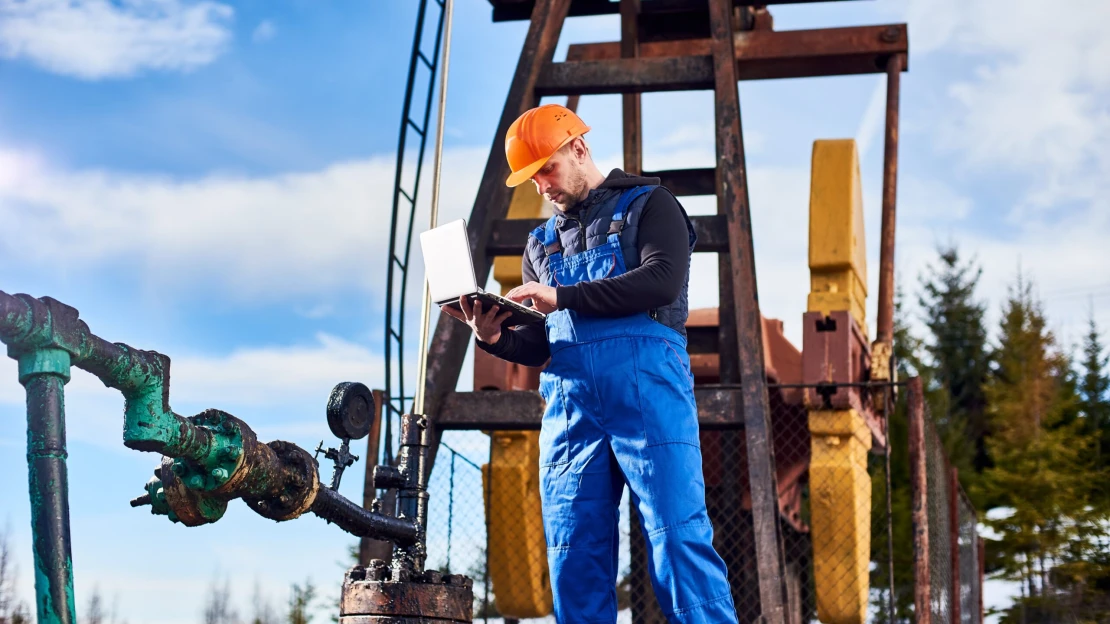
x=630 y=102
x=508 y=236
x=512 y=10
x=451 y=338
x=679 y=73
x=760 y=55
x=718 y=408
x=732 y=200
x=687 y=182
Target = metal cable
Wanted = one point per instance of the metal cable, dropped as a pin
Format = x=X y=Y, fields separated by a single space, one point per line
x=437 y=167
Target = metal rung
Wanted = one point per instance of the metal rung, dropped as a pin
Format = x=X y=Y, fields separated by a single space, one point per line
x=427 y=63
x=398 y=262
x=417 y=128
x=402 y=191
x=394 y=334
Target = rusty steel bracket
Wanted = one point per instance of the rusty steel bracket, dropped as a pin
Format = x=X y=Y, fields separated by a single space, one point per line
x=836 y=363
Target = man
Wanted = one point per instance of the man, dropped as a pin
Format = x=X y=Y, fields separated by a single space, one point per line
x=611 y=271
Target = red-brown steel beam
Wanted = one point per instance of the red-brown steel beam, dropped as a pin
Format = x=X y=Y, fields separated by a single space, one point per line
x=732 y=200
x=451 y=338
x=954 y=540
x=919 y=489
x=885 y=322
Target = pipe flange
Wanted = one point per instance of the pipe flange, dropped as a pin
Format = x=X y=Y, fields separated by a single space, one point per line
x=300 y=490
x=189 y=507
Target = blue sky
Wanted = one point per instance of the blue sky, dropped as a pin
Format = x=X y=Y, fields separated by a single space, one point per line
x=213 y=180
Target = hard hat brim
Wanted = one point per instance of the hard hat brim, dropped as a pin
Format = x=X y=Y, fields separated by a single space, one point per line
x=517 y=178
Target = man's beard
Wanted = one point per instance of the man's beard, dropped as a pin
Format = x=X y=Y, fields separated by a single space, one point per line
x=567 y=199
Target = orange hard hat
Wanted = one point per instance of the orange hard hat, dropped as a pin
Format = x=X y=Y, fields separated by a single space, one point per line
x=535 y=137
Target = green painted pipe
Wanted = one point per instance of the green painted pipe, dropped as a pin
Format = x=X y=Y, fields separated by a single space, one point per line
x=44 y=374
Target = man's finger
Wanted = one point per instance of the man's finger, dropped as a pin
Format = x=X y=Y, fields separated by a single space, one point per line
x=454 y=313
x=493 y=311
x=477 y=307
x=464 y=306
x=504 y=315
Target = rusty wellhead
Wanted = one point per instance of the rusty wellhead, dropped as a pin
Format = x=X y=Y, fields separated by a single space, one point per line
x=380 y=594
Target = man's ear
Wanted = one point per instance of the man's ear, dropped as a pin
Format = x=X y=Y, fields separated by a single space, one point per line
x=579 y=149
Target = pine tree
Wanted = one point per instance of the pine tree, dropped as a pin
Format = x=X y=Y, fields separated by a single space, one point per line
x=300 y=601
x=94 y=614
x=12 y=609
x=959 y=357
x=1040 y=455
x=217 y=605
x=1094 y=402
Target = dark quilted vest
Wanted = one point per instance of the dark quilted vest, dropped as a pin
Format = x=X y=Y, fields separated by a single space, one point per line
x=591 y=230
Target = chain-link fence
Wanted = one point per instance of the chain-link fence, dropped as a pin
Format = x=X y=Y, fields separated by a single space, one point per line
x=485 y=520
x=841 y=534
x=947 y=549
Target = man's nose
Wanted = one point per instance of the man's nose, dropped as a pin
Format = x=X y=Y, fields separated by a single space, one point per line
x=541 y=185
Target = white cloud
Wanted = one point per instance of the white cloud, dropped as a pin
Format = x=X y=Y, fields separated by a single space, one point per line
x=96 y=39
x=1036 y=103
x=253 y=238
x=264 y=32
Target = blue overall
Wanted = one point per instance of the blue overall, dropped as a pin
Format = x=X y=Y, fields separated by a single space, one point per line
x=620 y=409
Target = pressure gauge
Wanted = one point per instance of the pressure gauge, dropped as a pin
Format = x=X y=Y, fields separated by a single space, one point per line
x=351 y=410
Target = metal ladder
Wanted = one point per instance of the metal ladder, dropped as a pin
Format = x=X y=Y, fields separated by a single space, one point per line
x=404 y=204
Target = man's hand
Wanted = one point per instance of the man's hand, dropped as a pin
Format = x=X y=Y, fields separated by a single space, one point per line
x=543 y=297
x=486 y=325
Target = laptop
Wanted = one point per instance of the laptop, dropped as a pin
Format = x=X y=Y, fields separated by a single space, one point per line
x=450 y=271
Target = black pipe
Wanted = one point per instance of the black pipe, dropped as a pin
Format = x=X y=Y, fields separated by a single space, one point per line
x=333 y=507
x=46 y=462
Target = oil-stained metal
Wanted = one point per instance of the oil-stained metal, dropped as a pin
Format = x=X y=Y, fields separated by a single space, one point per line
x=48 y=481
x=374 y=594
x=208 y=459
x=732 y=200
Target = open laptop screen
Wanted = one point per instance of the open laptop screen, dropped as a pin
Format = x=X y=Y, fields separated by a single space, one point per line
x=447 y=261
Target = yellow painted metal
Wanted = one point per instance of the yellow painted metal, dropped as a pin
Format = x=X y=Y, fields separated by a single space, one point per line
x=527 y=203
x=837 y=249
x=840 y=488
x=518 y=554
x=510 y=482
x=840 y=509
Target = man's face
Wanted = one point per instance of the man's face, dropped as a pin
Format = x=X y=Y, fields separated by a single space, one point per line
x=562 y=180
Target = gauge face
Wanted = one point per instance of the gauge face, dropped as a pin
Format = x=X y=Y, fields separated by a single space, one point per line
x=351 y=410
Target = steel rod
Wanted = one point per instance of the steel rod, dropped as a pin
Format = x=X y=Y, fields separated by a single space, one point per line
x=49 y=487
x=885 y=322
x=437 y=170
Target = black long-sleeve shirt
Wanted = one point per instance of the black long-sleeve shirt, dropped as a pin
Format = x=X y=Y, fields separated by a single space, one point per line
x=664 y=258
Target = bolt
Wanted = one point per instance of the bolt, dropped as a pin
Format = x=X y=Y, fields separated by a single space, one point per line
x=233 y=452
x=219 y=474
x=890 y=35
x=196 y=482
x=177 y=468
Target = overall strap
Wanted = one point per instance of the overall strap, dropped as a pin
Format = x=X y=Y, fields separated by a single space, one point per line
x=548 y=235
x=626 y=199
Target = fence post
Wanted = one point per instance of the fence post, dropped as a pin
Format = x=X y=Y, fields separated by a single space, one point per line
x=919 y=502
x=954 y=540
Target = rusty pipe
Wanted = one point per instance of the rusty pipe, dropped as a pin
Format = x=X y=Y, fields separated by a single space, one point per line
x=885 y=323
